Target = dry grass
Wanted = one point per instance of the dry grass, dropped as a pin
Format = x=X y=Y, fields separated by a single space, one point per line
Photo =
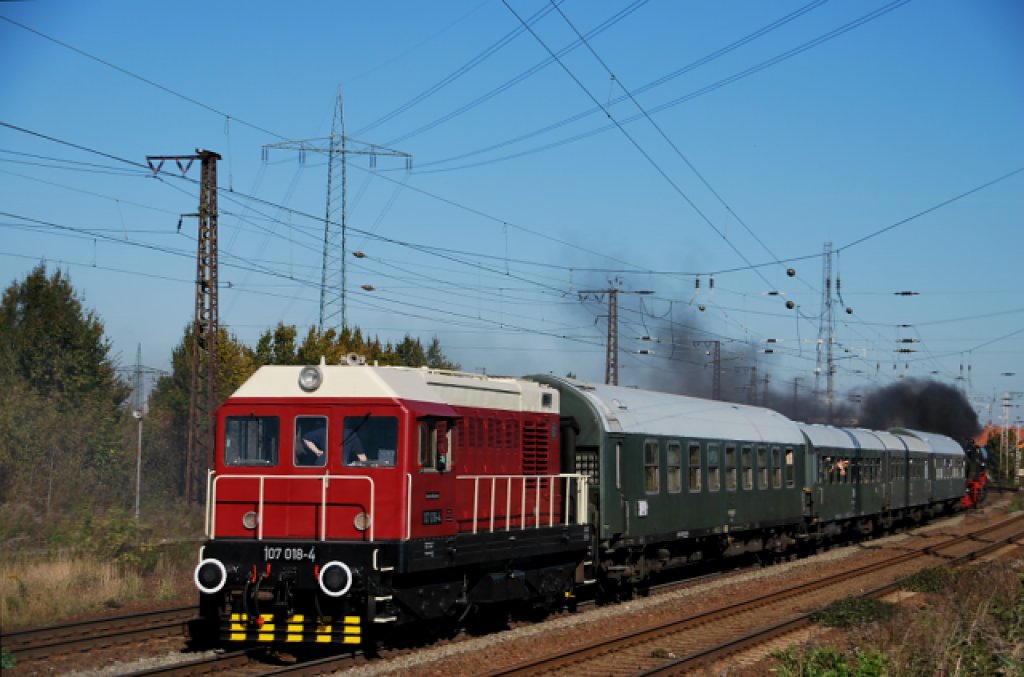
x=975 y=626
x=971 y=624
x=44 y=590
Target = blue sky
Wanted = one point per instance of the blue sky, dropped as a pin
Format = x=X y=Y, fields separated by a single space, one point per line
x=680 y=141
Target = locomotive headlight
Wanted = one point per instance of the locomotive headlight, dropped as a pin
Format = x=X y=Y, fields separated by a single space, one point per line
x=335 y=578
x=210 y=576
x=310 y=378
x=250 y=520
x=362 y=521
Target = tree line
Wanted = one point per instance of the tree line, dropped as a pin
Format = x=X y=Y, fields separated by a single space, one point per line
x=67 y=436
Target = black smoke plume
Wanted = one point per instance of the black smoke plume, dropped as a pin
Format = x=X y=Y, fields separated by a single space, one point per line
x=923 y=405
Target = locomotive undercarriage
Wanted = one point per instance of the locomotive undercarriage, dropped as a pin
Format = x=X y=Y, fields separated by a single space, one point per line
x=349 y=592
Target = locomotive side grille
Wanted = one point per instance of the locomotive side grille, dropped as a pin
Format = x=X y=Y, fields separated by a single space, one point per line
x=535 y=451
x=511 y=436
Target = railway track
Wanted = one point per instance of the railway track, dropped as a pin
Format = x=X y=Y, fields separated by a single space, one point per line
x=709 y=637
x=47 y=642
x=700 y=640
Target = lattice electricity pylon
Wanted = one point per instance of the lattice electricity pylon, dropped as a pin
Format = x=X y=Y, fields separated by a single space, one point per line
x=337 y=147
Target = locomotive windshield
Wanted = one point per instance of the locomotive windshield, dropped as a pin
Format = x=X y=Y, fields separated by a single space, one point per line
x=370 y=441
x=251 y=440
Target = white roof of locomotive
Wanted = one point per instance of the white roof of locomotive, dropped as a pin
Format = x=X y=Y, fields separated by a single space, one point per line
x=403 y=383
x=635 y=411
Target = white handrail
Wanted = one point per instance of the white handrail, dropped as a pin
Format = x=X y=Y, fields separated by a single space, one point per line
x=408 y=506
x=577 y=480
x=215 y=480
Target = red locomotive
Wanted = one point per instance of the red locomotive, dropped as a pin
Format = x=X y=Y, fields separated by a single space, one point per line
x=349 y=498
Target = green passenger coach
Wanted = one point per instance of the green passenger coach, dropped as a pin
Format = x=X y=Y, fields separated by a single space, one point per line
x=677 y=480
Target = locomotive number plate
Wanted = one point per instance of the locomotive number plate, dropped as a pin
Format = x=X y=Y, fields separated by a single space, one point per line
x=292 y=554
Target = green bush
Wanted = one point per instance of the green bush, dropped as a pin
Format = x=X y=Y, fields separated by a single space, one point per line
x=935 y=580
x=852 y=611
x=829 y=662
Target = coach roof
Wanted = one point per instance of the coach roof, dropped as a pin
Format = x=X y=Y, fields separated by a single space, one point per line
x=634 y=411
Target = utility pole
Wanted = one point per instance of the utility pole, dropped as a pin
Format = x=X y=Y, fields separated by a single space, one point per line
x=337 y=147
x=611 y=361
x=206 y=325
x=138 y=408
x=716 y=379
x=826 y=328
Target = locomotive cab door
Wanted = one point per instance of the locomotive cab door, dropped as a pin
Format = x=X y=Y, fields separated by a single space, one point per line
x=433 y=480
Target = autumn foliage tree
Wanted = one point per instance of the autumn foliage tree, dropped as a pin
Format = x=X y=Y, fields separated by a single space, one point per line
x=62 y=405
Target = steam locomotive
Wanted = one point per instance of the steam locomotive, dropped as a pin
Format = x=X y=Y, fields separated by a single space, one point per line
x=348 y=500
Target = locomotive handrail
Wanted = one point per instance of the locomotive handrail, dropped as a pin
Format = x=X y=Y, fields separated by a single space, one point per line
x=213 y=480
x=408 y=505
x=581 y=496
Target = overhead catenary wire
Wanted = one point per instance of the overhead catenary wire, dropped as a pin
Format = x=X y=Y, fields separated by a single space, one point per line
x=423 y=167
x=309 y=216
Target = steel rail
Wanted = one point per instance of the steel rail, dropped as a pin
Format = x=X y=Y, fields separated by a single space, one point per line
x=47 y=641
x=573 y=657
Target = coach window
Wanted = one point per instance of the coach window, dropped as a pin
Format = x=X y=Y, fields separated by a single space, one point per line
x=748 y=471
x=762 y=468
x=370 y=441
x=674 y=468
x=714 y=478
x=776 y=468
x=730 y=468
x=618 y=465
x=694 y=465
x=310 y=445
x=251 y=440
x=652 y=466
x=790 y=470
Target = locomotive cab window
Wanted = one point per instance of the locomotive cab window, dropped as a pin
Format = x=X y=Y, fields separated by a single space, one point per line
x=370 y=441
x=310 y=441
x=435 y=443
x=251 y=440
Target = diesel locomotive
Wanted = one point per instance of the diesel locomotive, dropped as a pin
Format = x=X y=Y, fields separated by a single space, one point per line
x=348 y=500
